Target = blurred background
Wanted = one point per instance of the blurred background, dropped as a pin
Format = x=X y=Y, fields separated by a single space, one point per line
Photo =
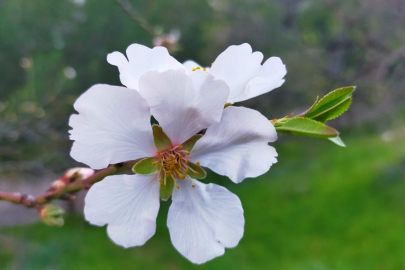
x=320 y=207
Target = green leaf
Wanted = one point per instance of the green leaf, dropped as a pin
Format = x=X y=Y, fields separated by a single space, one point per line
x=337 y=140
x=197 y=172
x=189 y=144
x=166 y=190
x=147 y=166
x=332 y=105
x=334 y=112
x=310 y=108
x=162 y=142
x=301 y=126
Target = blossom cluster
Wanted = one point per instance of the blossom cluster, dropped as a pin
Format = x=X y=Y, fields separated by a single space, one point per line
x=196 y=129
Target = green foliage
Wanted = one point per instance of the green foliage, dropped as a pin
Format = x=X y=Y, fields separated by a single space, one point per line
x=166 y=190
x=303 y=214
x=337 y=140
x=162 y=142
x=301 y=126
x=312 y=122
x=332 y=105
x=147 y=166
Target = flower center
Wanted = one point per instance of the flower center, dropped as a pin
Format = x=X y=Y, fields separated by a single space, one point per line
x=174 y=164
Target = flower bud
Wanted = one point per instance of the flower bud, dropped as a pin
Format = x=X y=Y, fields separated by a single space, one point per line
x=78 y=174
x=170 y=41
x=52 y=215
x=70 y=176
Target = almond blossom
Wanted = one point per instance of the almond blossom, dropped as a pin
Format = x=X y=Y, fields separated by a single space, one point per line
x=238 y=66
x=114 y=125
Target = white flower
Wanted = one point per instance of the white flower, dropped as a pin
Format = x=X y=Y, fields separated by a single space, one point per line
x=113 y=125
x=238 y=66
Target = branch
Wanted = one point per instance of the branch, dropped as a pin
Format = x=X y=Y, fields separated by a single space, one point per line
x=128 y=8
x=63 y=188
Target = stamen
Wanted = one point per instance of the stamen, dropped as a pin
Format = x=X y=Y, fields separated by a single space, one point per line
x=193 y=186
x=198 y=163
x=174 y=165
x=154 y=163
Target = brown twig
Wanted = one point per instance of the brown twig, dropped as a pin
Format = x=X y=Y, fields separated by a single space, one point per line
x=65 y=192
x=128 y=8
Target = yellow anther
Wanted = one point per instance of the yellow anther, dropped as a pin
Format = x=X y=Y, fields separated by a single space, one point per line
x=193 y=186
x=180 y=157
x=161 y=184
x=180 y=146
x=204 y=69
x=153 y=163
x=188 y=153
x=185 y=162
x=177 y=187
x=212 y=63
x=198 y=163
x=182 y=177
x=159 y=153
x=160 y=180
x=196 y=172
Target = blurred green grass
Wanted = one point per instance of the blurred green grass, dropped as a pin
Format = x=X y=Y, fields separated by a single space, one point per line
x=320 y=207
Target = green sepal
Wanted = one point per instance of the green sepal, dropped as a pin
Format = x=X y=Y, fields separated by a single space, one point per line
x=162 y=142
x=201 y=174
x=301 y=126
x=145 y=166
x=227 y=105
x=332 y=105
x=167 y=190
x=189 y=144
x=338 y=141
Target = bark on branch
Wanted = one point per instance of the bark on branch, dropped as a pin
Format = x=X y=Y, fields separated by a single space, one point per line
x=65 y=192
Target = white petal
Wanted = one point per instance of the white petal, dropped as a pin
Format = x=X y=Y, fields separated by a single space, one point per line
x=140 y=60
x=129 y=204
x=242 y=71
x=180 y=108
x=236 y=66
x=237 y=146
x=204 y=220
x=190 y=64
x=113 y=125
x=267 y=78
